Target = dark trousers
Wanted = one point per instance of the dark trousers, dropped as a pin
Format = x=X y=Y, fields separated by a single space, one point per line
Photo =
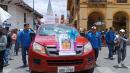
x=24 y=53
x=96 y=50
x=1 y=60
x=115 y=50
x=110 y=47
x=6 y=56
x=121 y=54
x=16 y=48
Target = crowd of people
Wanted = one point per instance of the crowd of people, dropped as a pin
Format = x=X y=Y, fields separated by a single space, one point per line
x=116 y=41
x=11 y=41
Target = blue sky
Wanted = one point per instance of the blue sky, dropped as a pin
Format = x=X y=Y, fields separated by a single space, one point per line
x=58 y=6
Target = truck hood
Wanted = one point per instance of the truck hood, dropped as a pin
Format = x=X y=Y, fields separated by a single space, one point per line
x=46 y=40
x=52 y=40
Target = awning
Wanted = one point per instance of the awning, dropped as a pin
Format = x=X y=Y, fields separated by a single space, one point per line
x=99 y=23
x=4 y=15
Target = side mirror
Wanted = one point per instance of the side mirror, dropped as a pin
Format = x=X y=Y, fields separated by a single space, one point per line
x=32 y=35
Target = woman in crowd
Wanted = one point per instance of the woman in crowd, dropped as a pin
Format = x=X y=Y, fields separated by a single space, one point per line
x=3 y=42
x=14 y=38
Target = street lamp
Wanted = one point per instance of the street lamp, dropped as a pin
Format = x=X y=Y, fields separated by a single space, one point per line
x=33 y=16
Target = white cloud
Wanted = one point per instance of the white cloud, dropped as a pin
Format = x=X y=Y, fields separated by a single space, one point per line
x=59 y=6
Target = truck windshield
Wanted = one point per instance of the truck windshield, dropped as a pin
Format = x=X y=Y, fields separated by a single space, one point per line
x=56 y=29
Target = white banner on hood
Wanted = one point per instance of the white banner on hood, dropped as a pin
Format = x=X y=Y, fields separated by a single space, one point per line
x=4 y=15
x=66 y=45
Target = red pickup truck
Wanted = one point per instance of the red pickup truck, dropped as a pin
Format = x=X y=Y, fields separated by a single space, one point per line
x=60 y=49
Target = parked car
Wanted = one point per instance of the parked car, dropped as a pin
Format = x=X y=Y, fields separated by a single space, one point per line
x=60 y=49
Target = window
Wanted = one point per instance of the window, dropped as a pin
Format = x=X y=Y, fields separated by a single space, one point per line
x=121 y=1
x=24 y=17
x=97 y=0
x=5 y=7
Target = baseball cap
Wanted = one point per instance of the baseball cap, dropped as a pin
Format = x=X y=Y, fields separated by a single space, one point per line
x=94 y=27
x=122 y=30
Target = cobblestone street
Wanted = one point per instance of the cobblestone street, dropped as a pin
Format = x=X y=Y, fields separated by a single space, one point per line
x=104 y=65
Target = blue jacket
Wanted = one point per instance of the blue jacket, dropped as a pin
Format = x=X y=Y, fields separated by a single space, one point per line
x=110 y=36
x=24 y=38
x=94 y=39
x=100 y=38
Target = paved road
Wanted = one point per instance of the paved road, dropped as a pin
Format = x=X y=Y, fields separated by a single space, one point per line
x=104 y=65
x=110 y=66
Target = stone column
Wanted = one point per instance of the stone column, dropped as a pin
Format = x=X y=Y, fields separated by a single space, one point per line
x=109 y=17
x=128 y=28
x=83 y=24
x=109 y=23
x=83 y=16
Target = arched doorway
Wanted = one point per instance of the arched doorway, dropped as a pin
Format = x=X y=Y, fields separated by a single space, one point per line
x=120 y=21
x=93 y=18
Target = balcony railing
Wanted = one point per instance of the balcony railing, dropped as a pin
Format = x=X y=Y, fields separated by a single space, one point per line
x=97 y=1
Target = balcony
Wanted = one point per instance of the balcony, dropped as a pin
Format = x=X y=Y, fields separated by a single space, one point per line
x=122 y=1
x=97 y=1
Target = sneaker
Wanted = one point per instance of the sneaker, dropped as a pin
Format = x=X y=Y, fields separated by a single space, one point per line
x=11 y=59
x=119 y=65
x=122 y=64
x=111 y=58
x=6 y=65
x=25 y=65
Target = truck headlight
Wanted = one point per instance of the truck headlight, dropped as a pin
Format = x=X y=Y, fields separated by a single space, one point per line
x=38 y=48
x=87 y=47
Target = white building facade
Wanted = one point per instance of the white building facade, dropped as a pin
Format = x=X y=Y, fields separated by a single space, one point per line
x=20 y=13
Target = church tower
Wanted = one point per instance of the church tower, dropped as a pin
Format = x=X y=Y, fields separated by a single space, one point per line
x=49 y=9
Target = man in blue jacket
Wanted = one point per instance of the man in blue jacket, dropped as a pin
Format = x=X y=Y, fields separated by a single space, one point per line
x=94 y=37
x=100 y=39
x=25 y=41
x=110 y=36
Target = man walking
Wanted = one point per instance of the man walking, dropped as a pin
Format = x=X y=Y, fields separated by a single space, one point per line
x=94 y=38
x=110 y=36
x=82 y=32
x=120 y=41
x=7 y=54
x=25 y=40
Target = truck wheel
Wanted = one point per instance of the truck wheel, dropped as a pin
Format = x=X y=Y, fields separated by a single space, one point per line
x=32 y=71
x=90 y=71
x=35 y=72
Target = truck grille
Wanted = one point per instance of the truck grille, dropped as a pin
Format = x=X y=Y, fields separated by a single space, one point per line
x=64 y=62
x=52 y=50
